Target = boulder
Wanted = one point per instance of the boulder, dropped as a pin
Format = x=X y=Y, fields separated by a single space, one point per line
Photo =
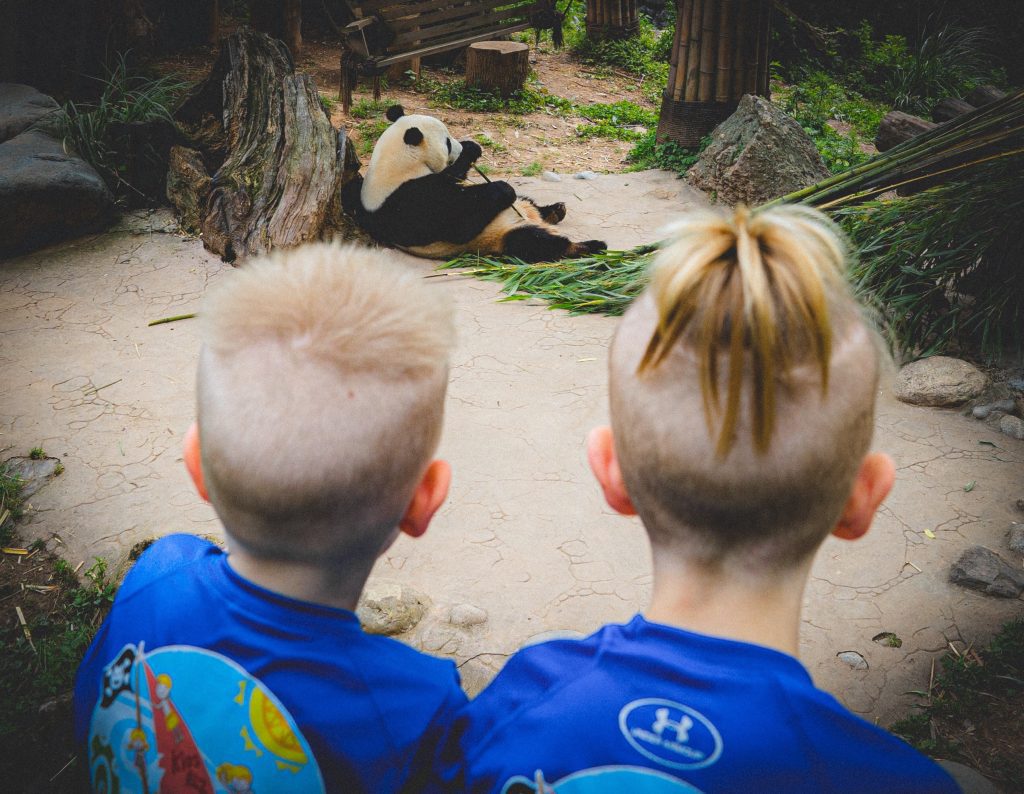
x=983 y=94
x=390 y=608
x=21 y=106
x=949 y=109
x=1012 y=427
x=898 y=127
x=757 y=154
x=939 y=381
x=47 y=194
x=982 y=569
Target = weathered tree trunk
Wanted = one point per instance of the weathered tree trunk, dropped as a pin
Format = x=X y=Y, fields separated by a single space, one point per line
x=499 y=66
x=897 y=127
x=277 y=164
x=949 y=109
x=611 y=19
x=720 y=53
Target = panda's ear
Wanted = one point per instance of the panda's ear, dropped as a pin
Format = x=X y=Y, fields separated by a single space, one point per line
x=413 y=136
x=394 y=113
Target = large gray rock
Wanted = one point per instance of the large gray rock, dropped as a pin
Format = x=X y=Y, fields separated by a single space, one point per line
x=34 y=473
x=47 y=194
x=1012 y=426
x=21 y=106
x=757 y=154
x=982 y=569
x=939 y=381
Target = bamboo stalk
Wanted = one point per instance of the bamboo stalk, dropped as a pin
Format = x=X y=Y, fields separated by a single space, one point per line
x=723 y=81
x=680 y=48
x=750 y=48
x=763 y=32
x=692 y=84
x=708 y=52
x=739 y=43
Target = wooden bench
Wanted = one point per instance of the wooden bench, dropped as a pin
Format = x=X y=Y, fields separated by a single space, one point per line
x=386 y=32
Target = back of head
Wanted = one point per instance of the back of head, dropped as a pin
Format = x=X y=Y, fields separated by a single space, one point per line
x=320 y=393
x=742 y=388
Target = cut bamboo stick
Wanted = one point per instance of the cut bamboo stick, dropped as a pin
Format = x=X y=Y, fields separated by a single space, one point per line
x=708 y=52
x=723 y=76
x=692 y=84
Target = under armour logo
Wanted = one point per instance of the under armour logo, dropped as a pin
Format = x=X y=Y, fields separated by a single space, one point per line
x=662 y=722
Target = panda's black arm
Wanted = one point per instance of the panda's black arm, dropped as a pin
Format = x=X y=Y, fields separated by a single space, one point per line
x=471 y=152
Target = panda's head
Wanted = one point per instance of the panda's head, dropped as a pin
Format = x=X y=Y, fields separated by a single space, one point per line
x=417 y=139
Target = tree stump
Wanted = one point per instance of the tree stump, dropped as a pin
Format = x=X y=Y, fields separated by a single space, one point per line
x=275 y=164
x=497 y=66
x=897 y=127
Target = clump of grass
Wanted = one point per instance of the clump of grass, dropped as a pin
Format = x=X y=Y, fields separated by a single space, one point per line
x=487 y=142
x=984 y=689
x=533 y=169
x=669 y=156
x=369 y=108
x=368 y=133
x=616 y=120
x=126 y=97
x=457 y=95
x=646 y=55
x=37 y=453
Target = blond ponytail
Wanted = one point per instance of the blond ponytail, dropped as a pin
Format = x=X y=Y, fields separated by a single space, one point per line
x=758 y=286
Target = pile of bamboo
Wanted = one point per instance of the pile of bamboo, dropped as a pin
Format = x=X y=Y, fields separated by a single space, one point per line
x=611 y=19
x=720 y=53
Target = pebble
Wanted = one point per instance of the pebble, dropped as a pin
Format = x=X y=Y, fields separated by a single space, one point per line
x=467 y=615
x=585 y=175
x=1016 y=534
x=983 y=411
x=854 y=659
x=550 y=176
x=390 y=608
x=1012 y=426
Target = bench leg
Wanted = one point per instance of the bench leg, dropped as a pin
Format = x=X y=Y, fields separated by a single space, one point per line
x=345 y=94
x=376 y=88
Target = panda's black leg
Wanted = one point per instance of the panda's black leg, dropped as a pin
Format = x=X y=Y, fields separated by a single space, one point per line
x=553 y=213
x=536 y=244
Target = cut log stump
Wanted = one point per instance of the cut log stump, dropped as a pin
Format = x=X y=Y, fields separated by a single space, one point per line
x=497 y=66
x=949 y=109
x=897 y=127
x=276 y=165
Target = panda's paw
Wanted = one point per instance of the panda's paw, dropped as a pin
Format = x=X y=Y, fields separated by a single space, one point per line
x=553 y=213
x=590 y=247
x=504 y=193
x=471 y=151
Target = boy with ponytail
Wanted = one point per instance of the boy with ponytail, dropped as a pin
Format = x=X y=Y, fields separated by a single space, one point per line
x=742 y=387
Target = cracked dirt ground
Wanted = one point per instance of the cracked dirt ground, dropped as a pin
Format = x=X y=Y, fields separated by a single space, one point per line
x=525 y=535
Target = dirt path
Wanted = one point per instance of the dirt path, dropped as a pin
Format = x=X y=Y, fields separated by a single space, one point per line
x=525 y=536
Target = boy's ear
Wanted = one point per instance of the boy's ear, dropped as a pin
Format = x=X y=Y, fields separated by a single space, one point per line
x=872 y=484
x=429 y=495
x=193 y=462
x=605 y=465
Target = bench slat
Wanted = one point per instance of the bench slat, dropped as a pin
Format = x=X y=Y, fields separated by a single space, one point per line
x=477 y=9
x=451 y=45
x=392 y=9
x=454 y=31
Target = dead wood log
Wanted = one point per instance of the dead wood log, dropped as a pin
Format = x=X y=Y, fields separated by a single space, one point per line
x=498 y=66
x=983 y=94
x=897 y=127
x=949 y=109
x=277 y=165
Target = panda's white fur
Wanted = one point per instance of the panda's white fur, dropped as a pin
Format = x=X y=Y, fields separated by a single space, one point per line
x=393 y=162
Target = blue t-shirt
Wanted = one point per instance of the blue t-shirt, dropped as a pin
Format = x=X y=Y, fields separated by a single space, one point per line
x=201 y=681
x=650 y=709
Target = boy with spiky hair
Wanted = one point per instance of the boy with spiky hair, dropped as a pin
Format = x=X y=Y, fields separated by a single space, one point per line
x=742 y=389
x=321 y=388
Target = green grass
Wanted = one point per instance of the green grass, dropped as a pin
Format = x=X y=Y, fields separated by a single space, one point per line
x=615 y=120
x=669 y=156
x=369 y=132
x=533 y=169
x=457 y=95
x=984 y=690
x=645 y=55
x=369 y=108
x=487 y=142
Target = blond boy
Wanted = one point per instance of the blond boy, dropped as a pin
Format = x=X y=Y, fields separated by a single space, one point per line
x=742 y=400
x=320 y=387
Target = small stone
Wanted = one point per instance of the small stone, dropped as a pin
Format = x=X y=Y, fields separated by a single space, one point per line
x=1003 y=406
x=854 y=659
x=1016 y=533
x=467 y=615
x=390 y=608
x=34 y=473
x=888 y=639
x=1017 y=384
x=982 y=569
x=550 y=176
x=1012 y=426
x=585 y=175
x=939 y=381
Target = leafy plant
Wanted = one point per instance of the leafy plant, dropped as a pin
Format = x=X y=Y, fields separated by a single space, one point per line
x=646 y=55
x=615 y=120
x=92 y=129
x=368 y=108
x=37 y=453
x=367 y=134
x=670 y=156
x=456 y=94
x=533 y=169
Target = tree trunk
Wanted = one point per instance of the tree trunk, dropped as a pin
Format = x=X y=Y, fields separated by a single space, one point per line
x=949 y=109
x=720 y=53
x=611 y=19
x=281 y=19
x=277 y=164
x=498 y=66
x=897 y=127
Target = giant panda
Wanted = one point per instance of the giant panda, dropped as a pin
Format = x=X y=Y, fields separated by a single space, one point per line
x=414 y=196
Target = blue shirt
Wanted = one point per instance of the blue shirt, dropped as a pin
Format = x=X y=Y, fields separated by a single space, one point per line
x=644 y=707
x=199 y=680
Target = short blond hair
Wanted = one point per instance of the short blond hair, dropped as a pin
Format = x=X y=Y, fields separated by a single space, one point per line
x=321 y=390
x=755 y=309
